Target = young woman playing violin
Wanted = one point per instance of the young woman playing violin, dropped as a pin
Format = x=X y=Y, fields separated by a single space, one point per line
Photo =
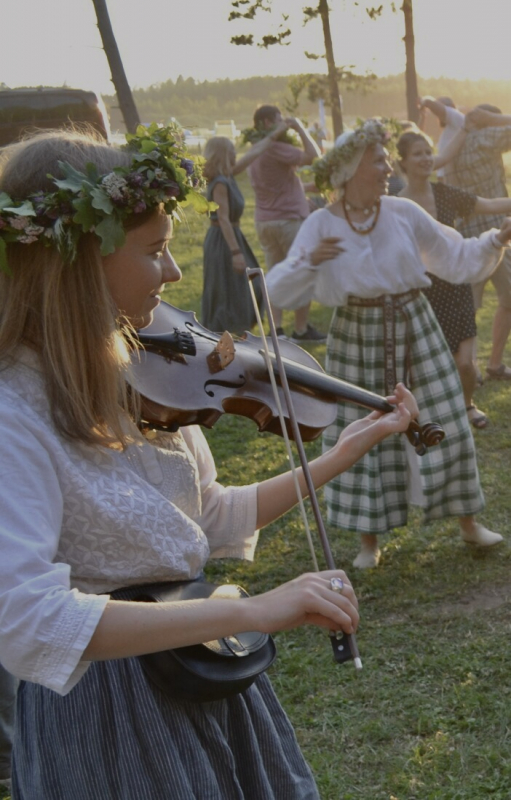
x=89 y=505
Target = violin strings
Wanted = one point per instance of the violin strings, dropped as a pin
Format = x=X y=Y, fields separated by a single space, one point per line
x=271 y=372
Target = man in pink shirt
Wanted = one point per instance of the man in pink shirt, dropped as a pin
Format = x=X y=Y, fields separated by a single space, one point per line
x=281 y=204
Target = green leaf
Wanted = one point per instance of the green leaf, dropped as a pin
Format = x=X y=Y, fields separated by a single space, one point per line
x=26 y=209
x=73 y=180
x=85 y=215
x=198 y=202
x=92 y=172
x=101 y=200
x=181 y=174
x=4 y=266
x=112 y=235
x=5 y=200
x=148 y=146
x=139 y=157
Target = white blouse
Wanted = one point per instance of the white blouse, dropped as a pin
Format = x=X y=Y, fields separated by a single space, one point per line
x=392 y=259
x=78 y=521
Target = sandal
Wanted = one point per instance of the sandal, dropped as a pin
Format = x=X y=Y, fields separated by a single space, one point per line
x=501 y=373
x=477 y=418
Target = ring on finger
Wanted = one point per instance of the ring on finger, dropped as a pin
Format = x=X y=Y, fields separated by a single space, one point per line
x=337 y=585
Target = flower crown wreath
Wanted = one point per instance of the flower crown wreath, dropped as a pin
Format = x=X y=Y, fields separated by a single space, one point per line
x=161 y=173
x=257 y=133
x=371 y=132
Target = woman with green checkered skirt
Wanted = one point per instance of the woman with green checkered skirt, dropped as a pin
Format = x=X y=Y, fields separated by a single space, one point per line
x=367 y=255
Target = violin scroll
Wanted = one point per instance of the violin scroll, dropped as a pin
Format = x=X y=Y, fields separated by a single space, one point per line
x=432 y=433
x=423 y=436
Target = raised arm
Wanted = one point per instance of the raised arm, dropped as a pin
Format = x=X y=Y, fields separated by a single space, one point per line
x=436 y=107
x=480 y=118
x=258 y=148
x=310 y=148
x=451 y=150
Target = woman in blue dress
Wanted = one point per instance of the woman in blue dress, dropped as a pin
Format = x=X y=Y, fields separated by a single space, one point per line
x=226 y=300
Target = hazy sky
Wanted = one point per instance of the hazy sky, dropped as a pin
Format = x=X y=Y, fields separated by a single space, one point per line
x=56 y=41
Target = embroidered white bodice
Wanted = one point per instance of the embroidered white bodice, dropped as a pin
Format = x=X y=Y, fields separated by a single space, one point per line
x=79 y=521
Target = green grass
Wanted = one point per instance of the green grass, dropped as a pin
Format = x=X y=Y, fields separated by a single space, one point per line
x=428 y=718
x=429 y=715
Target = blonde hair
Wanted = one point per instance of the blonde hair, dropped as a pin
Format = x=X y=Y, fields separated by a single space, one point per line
x=217 y=153
x=65 y=311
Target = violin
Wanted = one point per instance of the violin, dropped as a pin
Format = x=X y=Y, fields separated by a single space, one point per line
x=208 y=374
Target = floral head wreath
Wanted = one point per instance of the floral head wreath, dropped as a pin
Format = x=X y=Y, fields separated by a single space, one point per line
x=256 y=134
x=161 y=173
x=330 y=171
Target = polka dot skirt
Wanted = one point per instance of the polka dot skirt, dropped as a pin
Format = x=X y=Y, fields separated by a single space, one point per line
x=453 y=304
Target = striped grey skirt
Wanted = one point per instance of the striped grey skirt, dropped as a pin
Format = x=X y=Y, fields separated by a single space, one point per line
x=371 y=497
x=115 y=737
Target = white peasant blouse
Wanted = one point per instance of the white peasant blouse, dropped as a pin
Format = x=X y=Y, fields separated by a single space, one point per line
x=77 y=522
x=392 y=259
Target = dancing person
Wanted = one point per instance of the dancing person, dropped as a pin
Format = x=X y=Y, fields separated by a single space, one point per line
x=453 y=304
x=281 y=204
x=90 y=504
x=479 y=169
x=226 y=299
x=396 y=181
x=451 y=120
x=367 y=255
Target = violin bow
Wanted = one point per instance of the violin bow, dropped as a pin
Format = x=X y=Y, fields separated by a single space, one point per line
x=344 y=645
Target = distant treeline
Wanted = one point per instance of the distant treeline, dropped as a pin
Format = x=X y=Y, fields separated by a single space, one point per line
x=197 y=104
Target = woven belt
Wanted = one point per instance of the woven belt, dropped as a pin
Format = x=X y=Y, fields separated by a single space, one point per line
x=390 y=302
x=216 y=223
x=383 y=299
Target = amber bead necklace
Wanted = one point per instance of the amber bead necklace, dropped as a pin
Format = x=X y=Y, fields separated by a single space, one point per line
x=375 y=209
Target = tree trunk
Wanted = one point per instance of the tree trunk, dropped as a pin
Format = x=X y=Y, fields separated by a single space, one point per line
x=119 y=80
x=332 y=72
x=412 y=92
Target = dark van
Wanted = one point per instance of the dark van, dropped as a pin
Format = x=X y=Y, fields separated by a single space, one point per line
x=22 y=110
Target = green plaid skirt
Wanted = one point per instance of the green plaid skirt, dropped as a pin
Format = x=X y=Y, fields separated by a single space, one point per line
x=371 y=497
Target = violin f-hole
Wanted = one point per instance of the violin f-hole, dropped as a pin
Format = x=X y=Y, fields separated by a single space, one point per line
x=226 y=384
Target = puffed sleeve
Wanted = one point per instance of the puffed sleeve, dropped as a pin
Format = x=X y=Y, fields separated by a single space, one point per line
x=44 y=624
x=448 y=255
x=291 y=283
x=229 y=513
